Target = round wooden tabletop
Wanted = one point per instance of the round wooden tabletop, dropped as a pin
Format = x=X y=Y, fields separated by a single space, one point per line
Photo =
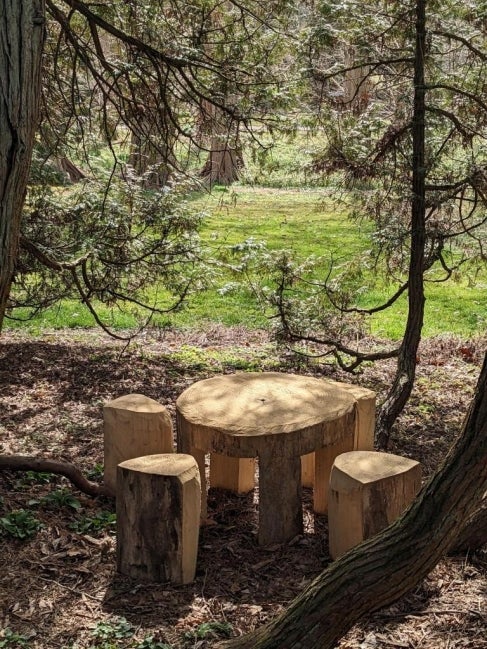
x=243 y=411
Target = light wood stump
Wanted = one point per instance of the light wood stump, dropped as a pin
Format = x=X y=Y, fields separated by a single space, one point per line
x=368 y=491
x=158 y=516
x=321 y=462
x=275 y=417
x=133 y=426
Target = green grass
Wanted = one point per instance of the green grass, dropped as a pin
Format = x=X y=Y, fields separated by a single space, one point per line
x=305 y=223
x=454 y=308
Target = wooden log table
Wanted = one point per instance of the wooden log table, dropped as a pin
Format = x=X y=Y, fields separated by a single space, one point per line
x=277 y=418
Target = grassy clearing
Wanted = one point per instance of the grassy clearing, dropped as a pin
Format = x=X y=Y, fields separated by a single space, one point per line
x=305 y=223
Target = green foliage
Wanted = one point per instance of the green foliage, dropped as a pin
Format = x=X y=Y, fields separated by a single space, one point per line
x=101 y=521
x=108 y=632
x=11 y=640
x=246 y=225
x=97 y=471
x=20 y=524
x=210 y=631
x=116 y=246
x=149 y=642
x=28 y=478
x=60 y=498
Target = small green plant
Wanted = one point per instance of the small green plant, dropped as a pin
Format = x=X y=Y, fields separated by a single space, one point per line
x=20 y=524
x=210 y=630
x=10 y=639
x=95 y=472
x=103 y=520
x=108 y=632
x=61 y=498
x=150 y=642
x=34 y=477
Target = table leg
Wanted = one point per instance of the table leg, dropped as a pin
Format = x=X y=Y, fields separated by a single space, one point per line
x=308 y=470
x=280 y=508
x=232 y=473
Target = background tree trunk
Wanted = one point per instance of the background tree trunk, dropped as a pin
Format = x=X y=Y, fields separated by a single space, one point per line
x=21 y=39
x=406 y=364
x=383 y=568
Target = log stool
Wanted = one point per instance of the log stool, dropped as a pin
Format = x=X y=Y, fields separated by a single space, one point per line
x=363 y=441
x=368 y=491
x=158 y=517
x=134 y=425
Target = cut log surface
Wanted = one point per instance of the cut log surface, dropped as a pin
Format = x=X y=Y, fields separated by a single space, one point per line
x=134 y=426
x=276 y=417
x=368 y=491
x=158 y=515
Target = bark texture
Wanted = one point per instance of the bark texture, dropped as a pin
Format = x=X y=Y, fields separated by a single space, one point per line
x=22 y=26
x=383 y=568
x=473 y=536
x=406 y=364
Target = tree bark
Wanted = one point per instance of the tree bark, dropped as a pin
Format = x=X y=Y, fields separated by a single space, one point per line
x=406 y=365
x=383 y=568
x=473 y=535
x=22 y=27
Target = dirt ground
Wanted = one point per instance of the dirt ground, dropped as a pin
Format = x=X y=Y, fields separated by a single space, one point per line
x=60 y=589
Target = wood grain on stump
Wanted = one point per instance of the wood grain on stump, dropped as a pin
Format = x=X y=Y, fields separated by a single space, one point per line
x=158 y=515
x=368 y=491
x=133 y=426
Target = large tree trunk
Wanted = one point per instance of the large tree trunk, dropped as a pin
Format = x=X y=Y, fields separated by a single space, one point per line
x=473 y=535
x=224 y=158
x=21 y=40
x=383 y=568
x=406 y=364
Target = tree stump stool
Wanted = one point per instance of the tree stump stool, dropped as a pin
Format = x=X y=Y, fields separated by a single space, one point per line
x=363 y=440
x=134 y=426
x=368 y=491
x=158 y=517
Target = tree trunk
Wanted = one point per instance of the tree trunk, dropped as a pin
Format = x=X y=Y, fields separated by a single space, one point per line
x=224 y=159
x=473 y=536
x=385 y=567
x=22 y=27
x=151 y=162
x=223 y=163
x=406 y=364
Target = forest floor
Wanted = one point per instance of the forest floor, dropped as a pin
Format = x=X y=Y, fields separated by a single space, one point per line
x=59 y=588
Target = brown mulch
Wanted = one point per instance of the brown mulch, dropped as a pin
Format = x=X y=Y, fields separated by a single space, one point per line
x=60 y=588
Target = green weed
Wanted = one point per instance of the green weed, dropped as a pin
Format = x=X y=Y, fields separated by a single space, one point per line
x=60 y=498
x=107 y=633
x=210 y=630
x=10 y=639
x=28 y=478
x=20 y=524
x=151 y=643
x=103 y=520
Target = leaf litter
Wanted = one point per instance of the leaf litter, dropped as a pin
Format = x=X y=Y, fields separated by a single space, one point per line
x=59 y=587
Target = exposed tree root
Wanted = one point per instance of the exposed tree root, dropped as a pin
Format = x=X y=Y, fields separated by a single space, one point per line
x=68 y=470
